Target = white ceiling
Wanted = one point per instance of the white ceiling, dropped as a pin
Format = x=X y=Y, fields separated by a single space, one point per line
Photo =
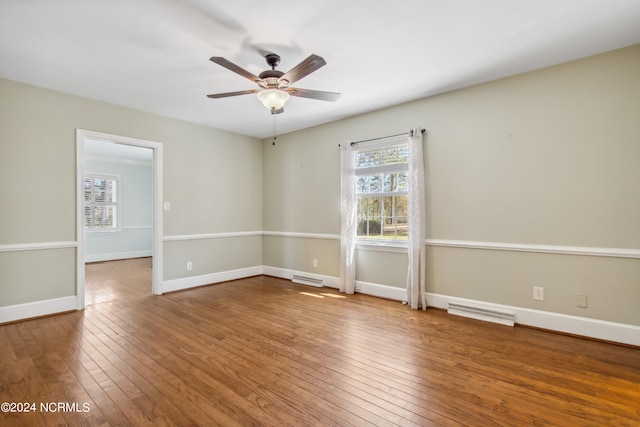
x=153 y=55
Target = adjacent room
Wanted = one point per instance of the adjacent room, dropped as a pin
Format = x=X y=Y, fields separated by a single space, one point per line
x=320 y=213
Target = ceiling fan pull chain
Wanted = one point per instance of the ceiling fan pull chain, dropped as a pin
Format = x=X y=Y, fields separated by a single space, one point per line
x=274 y=129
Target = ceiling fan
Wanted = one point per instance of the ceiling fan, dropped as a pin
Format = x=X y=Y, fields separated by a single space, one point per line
x=274 y=89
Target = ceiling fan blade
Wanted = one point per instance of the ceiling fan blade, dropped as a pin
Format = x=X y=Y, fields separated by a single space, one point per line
x=235 y=68
x=314 y=94
x=303 y=69
x=228 y=94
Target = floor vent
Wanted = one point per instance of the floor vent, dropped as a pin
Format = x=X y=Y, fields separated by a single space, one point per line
x=501 y=317
x=304 y=280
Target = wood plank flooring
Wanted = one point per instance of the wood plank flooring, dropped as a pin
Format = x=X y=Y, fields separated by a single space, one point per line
x=114 y=280
x=266 y=352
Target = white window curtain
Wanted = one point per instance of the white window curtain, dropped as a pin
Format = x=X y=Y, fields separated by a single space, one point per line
x=416 y=288
x=348 y=219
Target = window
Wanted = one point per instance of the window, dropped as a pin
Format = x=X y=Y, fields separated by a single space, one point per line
x=101 y=202
x=382 y=185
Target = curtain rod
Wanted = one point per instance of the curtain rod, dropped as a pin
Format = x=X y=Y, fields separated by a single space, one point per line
x=381 y=137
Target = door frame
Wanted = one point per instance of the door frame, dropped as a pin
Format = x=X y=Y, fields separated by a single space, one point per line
x=156 y=245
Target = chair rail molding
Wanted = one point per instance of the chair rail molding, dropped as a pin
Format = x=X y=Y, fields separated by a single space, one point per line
x=37 y=246
x=549 y=249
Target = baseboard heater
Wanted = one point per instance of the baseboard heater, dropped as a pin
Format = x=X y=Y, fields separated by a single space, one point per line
x=304 y=280
x=501 y=317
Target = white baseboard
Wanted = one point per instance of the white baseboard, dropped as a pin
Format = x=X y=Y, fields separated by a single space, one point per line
x=558 y=322
x=381 y=291
x=117 y=255
x=208 y=279
x=12 y=313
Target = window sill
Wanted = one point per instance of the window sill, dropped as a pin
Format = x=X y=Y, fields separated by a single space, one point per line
x=99 y=231
x=382 y=246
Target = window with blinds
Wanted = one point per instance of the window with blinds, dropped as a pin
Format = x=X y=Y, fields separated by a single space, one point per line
x=382 y=185
x=101 y=202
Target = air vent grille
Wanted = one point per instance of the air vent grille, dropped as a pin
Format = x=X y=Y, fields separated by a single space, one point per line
x=305 y=280
x=501 y=317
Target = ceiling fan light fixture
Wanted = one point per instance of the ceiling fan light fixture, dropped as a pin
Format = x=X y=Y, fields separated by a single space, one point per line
x=273 y=99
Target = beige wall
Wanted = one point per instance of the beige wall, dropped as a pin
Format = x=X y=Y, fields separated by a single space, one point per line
x=38 y=194
x=298 y=254
x=548 y=157
x=211 y=255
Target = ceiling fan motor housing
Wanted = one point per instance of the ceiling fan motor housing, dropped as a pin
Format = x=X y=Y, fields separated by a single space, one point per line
x=271 y=78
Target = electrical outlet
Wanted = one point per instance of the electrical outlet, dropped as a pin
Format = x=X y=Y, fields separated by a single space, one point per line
x=538 y=293
x=581 y=300
x=315 y=263
x=189 y=266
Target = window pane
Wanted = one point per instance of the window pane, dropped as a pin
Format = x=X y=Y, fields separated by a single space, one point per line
x=395 y=182
x=401 y=206
x=361 y=207
x=403 y=181
x=87 y=190
x=87 y=216
x=375 y=184
x=389 y=232
x=369 y=219
x=402 y=229
x=104 y=216
x=381 y=157
x=389 y=180
x=104 y=190
x=363 y=228
x=395 y=228
x=387 y=209
x=111 y=191
x=369 y=228
x=99 y=190
x=367 y=159
x=368 y=207
x=369 y=184
x=394 y=224
x=362 y=184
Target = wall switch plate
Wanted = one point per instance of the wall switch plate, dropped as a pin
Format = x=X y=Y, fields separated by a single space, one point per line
x=167 y=206
x=315 y=263
x=538 y=293
x=581 y=300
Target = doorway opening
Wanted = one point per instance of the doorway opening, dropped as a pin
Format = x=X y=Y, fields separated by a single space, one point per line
x=119 y=216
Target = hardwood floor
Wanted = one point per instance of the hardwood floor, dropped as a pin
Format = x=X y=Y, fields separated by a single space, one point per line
x=115 y=280
x=266 y=352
